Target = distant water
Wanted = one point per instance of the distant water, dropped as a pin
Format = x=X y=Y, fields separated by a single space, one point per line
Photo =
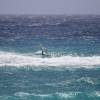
x=72 y=72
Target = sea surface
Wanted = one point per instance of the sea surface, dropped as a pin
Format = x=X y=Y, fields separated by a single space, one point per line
x=70 y=72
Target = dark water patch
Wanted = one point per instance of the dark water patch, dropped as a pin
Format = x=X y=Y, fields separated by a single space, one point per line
x=48 y=81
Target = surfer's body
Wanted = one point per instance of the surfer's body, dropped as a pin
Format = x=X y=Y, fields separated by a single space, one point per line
x=44 y=51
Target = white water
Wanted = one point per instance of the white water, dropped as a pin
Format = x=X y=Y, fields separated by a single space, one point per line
x=60 y=95
x=18 y=60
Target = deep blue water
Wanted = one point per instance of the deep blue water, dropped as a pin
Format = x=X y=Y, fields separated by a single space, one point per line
x=72 y=72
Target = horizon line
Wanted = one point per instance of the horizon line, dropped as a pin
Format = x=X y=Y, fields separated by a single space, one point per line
x=51 y=14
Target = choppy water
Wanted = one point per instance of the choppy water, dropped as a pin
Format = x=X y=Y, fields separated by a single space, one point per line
x=72 y=72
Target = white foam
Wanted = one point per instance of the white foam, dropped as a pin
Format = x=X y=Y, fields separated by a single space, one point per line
x=68 y=95
x=25 y=94
x=21 y=94
x=18 y=60
x=65 y=95
x=61 y=95
x=88 y=80
x=42 y=95
x=95 y=94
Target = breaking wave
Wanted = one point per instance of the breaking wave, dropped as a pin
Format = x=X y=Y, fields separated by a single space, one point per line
x=55 y=95
x=59 y=95
x=18 y=60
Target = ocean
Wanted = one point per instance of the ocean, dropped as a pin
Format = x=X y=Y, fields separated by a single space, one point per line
x=70 y=72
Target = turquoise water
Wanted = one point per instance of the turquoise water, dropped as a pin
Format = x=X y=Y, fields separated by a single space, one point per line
x=72 y=72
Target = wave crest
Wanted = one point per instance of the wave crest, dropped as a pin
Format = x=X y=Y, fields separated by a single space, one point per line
x=18 y=60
